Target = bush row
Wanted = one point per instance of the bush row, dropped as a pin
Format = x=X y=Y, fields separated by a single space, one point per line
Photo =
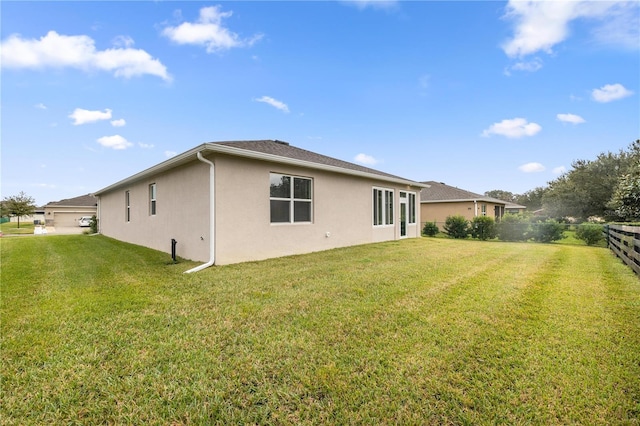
x=513 y=227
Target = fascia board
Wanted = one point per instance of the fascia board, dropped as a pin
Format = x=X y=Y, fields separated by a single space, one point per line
x=238 y=152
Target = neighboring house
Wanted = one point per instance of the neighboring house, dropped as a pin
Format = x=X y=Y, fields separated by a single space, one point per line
x=513 y=208
x=37 y=216
x=230 y=202
x=65 y=213
x=438 y=201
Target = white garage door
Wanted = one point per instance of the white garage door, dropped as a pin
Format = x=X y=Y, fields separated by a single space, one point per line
x=66 y=219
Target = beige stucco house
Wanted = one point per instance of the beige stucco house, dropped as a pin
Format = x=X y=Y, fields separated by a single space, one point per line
x=438 y=201
x=230 y=202
x=67 y=212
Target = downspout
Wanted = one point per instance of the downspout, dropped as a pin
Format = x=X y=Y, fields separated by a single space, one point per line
x=212 y=217
x=475 y=208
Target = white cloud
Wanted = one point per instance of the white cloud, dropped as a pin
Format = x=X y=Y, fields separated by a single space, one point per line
x=610 y=92
x=83 y=116
x=529 y=66
x=41 y=106
x=570 y=118
x=540 y=25
x=145 y=145
x=274 y=103
x=513 y=128
x=208 y=31
x=375 y=4
x=170 y=154
x=119 y=122
x=114 y=142
x=531 y=168
x=559 y=170
x=365 y=159
x=59 y=51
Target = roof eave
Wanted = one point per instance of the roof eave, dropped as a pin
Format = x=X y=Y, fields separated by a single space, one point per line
x=239 y=152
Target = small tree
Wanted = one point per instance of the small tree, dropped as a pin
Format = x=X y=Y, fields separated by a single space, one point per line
x=626 y=198
x=548 y=231
x=513 y=227
x=590 y=233
x=18 y=205
x=430 y=229
x=483 y=228
x=456 y=226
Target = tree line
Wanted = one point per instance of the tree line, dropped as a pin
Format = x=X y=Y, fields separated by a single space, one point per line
x=606 y=188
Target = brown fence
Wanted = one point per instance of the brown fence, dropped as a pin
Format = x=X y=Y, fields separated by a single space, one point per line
x=624 y=241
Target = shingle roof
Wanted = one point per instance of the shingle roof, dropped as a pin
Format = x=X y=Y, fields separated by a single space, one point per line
x=283 y=149
x=438 y=192
x=82 y=201
x=267 y=150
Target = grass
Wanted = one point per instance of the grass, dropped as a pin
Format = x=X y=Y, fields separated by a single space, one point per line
x=426 y=331
x=11 y=228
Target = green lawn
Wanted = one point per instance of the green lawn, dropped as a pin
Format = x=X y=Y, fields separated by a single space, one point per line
x=11 y=228
x=428 y=331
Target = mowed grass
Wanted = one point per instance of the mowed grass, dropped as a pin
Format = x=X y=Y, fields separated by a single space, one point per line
x=427 y=331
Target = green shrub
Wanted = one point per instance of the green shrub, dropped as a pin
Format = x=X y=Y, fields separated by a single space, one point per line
x=547 y=231
x=483 y=228
x=93 y=225
x=590 y=233
x=456 y=226
x=430 y=229
x=513 y=227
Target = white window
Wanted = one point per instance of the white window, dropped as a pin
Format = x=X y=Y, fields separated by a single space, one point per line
x=382 y=206
x=290 y=198
x=152 y=199
x=412 y=207
x=127 y=204
x=484 y=209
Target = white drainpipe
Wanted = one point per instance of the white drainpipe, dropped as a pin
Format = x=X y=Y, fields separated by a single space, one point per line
x=212 y=216
x=475 y=208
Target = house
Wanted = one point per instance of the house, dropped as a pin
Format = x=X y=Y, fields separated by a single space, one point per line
x=513 y=208
x=230 y=202
x=438 y=201
x=66 y=213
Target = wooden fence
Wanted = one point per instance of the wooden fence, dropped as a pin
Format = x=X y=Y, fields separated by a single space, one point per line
x=624 y=241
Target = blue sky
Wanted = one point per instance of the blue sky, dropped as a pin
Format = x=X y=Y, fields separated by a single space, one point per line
x=479 y=95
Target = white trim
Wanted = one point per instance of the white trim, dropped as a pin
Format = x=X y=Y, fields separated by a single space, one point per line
x=188 y=156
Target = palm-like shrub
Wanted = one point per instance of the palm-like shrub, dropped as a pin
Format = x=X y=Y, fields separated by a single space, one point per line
x=430 y=229
x=456 y=226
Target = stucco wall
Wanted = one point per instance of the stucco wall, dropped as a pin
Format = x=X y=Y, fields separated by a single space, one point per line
x=182 y=212
x=342 y=212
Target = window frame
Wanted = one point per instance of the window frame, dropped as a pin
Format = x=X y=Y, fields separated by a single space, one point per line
x=383 y=207
x=153 y=199
x=411 y=220
x=127 y=206
x=292 y=200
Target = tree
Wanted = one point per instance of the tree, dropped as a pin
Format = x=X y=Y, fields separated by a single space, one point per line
x=501 y=195
x=531 y=199
x=626 y=198
x=18 y=205
x=586 y=190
